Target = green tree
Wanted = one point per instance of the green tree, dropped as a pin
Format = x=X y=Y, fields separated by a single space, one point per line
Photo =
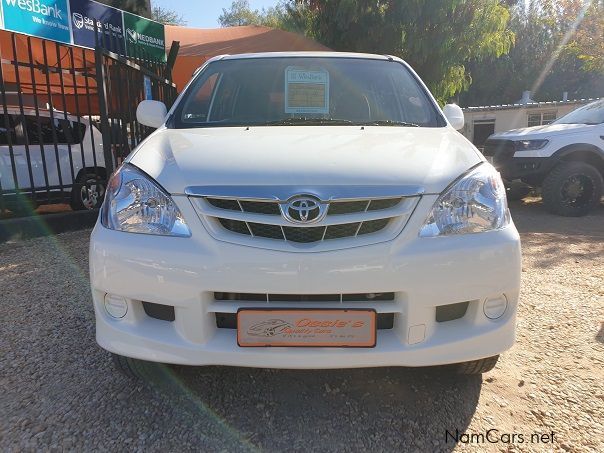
x=559 y=47
x=140 y=7
x=437 y=37
x=167 y=16
x=240 y=13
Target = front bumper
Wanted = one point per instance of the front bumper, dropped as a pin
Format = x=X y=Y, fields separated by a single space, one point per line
x=423 y=273
x=502 y=154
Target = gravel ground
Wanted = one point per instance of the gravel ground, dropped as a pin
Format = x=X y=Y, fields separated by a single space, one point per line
x=60 y=391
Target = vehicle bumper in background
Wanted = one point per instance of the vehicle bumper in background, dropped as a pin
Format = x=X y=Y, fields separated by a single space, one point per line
x=422 y=272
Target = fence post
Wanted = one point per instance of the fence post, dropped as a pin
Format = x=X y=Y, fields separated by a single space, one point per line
x=101 y=85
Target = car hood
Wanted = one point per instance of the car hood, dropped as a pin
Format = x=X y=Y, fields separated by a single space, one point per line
x=541 y=132
x=305 y=156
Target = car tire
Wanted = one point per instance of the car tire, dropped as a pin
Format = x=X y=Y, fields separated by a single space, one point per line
x=88 y=192
x=477 y=366
x=132 y=368
x=516 y=191
x=572 y=189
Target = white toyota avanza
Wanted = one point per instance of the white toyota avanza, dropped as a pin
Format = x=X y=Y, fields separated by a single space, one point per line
x=305 y=210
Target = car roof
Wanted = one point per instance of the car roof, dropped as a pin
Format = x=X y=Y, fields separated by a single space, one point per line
x=315 y=54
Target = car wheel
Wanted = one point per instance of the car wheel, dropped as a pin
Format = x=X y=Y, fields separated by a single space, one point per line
x=572 y=189
x=88 y=192
x=516 y=191
x=132 y=368
x=477 y=366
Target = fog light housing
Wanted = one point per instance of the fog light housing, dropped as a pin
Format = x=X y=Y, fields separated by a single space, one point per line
x=495 y=307
x=116 y=306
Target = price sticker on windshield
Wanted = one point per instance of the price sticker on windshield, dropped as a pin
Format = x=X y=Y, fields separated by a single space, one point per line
x=306 y=91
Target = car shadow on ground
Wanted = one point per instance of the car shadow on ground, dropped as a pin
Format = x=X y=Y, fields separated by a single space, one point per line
x=530 y=216
x=389 y=409
x=600 y=334
x=581 y=238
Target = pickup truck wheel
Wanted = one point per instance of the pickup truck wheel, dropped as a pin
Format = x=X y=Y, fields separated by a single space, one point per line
x=131 y=368
x=477 y=366
x=88 y=192
x=572 y=189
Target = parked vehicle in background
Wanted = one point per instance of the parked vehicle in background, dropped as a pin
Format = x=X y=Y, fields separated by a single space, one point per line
x=41 y=153
x=305 y=210
x=565 y=159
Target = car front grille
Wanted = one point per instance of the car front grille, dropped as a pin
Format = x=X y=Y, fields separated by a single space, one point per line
x=264 y=223
x=266 y=297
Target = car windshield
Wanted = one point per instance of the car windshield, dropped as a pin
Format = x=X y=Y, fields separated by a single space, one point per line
x=306 y=91
x=589 y=114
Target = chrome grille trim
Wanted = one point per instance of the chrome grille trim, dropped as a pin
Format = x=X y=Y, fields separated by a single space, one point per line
x=323 y=193
x=351 y=225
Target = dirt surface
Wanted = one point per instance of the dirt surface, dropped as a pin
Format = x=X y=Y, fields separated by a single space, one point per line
x=60 y=392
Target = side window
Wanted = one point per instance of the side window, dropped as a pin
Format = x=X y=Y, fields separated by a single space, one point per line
x=198 y=107
x=38 y=131
x=7 y=130
x=534 y=119
x=415 y=107
x=548 y=117
x=541 y=119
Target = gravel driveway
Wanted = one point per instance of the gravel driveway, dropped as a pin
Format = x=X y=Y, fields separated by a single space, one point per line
x=60 y=392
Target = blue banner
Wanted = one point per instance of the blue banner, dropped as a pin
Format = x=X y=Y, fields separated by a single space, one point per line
x=44 y=18
x=84 y=14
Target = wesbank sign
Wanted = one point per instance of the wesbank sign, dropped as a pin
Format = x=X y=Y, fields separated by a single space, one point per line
x=44 y=18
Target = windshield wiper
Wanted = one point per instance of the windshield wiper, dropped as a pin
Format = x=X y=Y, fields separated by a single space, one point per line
x=304 y=120
x=390 y=123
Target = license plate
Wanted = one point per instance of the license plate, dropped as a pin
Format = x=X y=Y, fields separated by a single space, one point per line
x=351 y=328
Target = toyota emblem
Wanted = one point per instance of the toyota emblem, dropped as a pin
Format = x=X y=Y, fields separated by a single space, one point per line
x=303 y=209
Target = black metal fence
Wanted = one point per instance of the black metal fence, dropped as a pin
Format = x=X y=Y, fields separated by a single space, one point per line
x=68 y=118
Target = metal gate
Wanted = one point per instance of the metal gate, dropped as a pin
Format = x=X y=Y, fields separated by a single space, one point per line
x=68 y=118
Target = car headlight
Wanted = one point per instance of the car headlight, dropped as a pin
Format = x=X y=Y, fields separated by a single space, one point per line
x=476 y=202
x=136 y=204
x=529 y=145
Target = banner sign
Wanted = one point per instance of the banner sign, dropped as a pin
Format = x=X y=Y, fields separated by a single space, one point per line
x=125 y=33
x=144 y=37
x=84 y=13
x=43 y=18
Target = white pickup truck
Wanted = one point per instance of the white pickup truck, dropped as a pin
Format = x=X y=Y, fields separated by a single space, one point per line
x=565 y=159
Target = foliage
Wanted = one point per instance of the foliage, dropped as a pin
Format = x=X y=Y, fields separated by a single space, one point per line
x=240 y=13
x=140 y=7
x=559 y=47
x=437 y=37
x=167 y=16
x=477 y=51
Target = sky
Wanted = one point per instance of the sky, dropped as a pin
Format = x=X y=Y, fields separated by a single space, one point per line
x=204 y=13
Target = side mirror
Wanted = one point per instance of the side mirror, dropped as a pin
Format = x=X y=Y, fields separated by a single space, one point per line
x=151 y=113
x=454 y=116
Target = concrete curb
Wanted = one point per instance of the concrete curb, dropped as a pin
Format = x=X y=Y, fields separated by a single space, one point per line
x=43 y=225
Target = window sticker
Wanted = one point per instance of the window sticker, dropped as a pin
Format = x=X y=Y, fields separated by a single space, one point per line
x=306 y=91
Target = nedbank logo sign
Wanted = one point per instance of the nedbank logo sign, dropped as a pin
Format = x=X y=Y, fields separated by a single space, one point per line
x=144 y=37
x=135 y=38
x=43 y=18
